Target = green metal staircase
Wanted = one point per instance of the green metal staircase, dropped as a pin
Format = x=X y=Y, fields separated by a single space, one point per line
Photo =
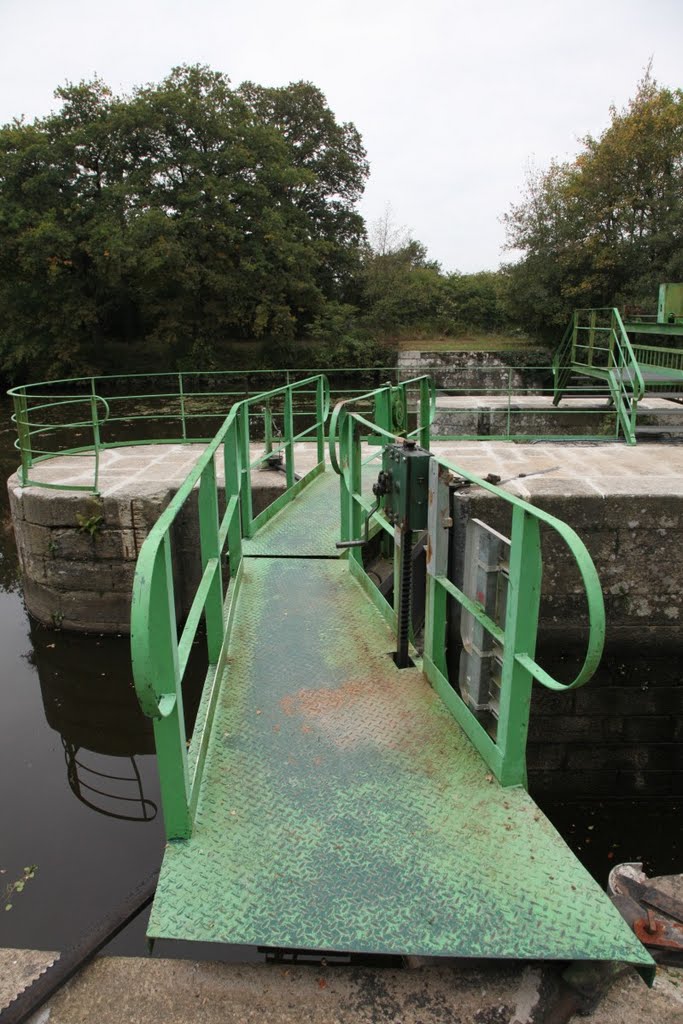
x=327 y=799
x=597 y=345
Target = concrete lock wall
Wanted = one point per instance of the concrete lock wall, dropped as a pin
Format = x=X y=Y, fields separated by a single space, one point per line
x=474 y=371
x=78 y=552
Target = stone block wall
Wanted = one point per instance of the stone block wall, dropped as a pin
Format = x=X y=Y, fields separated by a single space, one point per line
x=78 y=552
x=636 y=543
x=473 y=371
x=619 y=735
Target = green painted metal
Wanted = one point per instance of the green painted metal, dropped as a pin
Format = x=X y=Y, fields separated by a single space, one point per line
x=301 y=525
x=504 y=751
x=341 y=808
x=670 y=305
x=159 y=656
x=182 y=402
x=175 y=408
x=643 y=327
x=597 y=345
x=321 y=780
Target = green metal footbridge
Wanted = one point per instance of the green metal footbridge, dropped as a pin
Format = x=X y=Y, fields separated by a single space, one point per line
x=340 y=791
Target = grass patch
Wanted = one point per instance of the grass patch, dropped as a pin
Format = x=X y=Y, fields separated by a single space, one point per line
x=469 y=343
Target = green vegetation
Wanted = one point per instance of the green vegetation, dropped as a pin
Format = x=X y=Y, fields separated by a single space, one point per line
x=606 y=228
x=89 y=524
x=194 y=224
x=12 y=889
x=167 y=228
x=469 y=342
x=145 y=229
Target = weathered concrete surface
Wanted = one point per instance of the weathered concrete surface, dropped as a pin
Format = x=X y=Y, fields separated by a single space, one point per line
x=629 y=1002
x=19 y=968
x=480 y=371
x=78 y=551
x=489 y=415
x=146 y=991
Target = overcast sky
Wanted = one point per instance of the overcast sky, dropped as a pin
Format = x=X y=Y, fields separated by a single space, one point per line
x=454 y=99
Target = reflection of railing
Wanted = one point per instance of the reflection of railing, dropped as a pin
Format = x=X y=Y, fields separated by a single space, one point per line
x=160 y=657
x=97 y=789
x=504 y=752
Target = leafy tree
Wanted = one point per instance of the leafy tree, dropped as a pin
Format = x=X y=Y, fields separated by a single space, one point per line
x=473 y=302
x=400 y=284
x=156 y=225
x=608 y=226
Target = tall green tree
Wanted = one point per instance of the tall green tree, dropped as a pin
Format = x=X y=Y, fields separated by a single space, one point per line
x=606 y=227
x=156 y=225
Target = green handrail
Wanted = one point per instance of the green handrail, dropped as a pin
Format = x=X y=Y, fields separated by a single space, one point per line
x=504 y=753
x=159 y=655
x=597 y=344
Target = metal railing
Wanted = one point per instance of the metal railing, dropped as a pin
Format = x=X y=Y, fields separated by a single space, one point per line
x=657 y=358
x=160 y=655
x=87 y=416
x=137 y=409
x=504 y=752
x=596 y=344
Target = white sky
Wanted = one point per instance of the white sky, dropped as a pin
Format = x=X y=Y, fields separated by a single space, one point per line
x=453 y=99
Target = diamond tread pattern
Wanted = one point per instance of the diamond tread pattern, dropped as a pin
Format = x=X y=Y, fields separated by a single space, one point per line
x=342 y=808
x=309 y=525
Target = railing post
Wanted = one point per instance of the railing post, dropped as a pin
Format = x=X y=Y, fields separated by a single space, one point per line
x=210 y=549
x=612 y=339
x=356 y=513
x=345 y=448
x=319 y=409
x=289 y=434
x=95 y=430
x=509 y=398
x=267 y=428
x=575 y=335
x=521 y=624
x=169 y=731
x=245 y=469
x=591 y=335
x=181 y=393
x=231 y=463
x=382 y=411
x=425 y=413
x=24 y=432
x=437 y=565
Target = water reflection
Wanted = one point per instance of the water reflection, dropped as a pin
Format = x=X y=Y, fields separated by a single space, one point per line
x=96 y=713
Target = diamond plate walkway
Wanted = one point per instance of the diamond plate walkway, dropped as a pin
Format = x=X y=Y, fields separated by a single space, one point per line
x=341 y=806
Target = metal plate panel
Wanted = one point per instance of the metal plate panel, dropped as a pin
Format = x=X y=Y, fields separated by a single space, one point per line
x=308 y=526
x=342 y=808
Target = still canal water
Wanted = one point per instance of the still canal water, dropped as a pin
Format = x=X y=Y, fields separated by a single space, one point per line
x=79 y=792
